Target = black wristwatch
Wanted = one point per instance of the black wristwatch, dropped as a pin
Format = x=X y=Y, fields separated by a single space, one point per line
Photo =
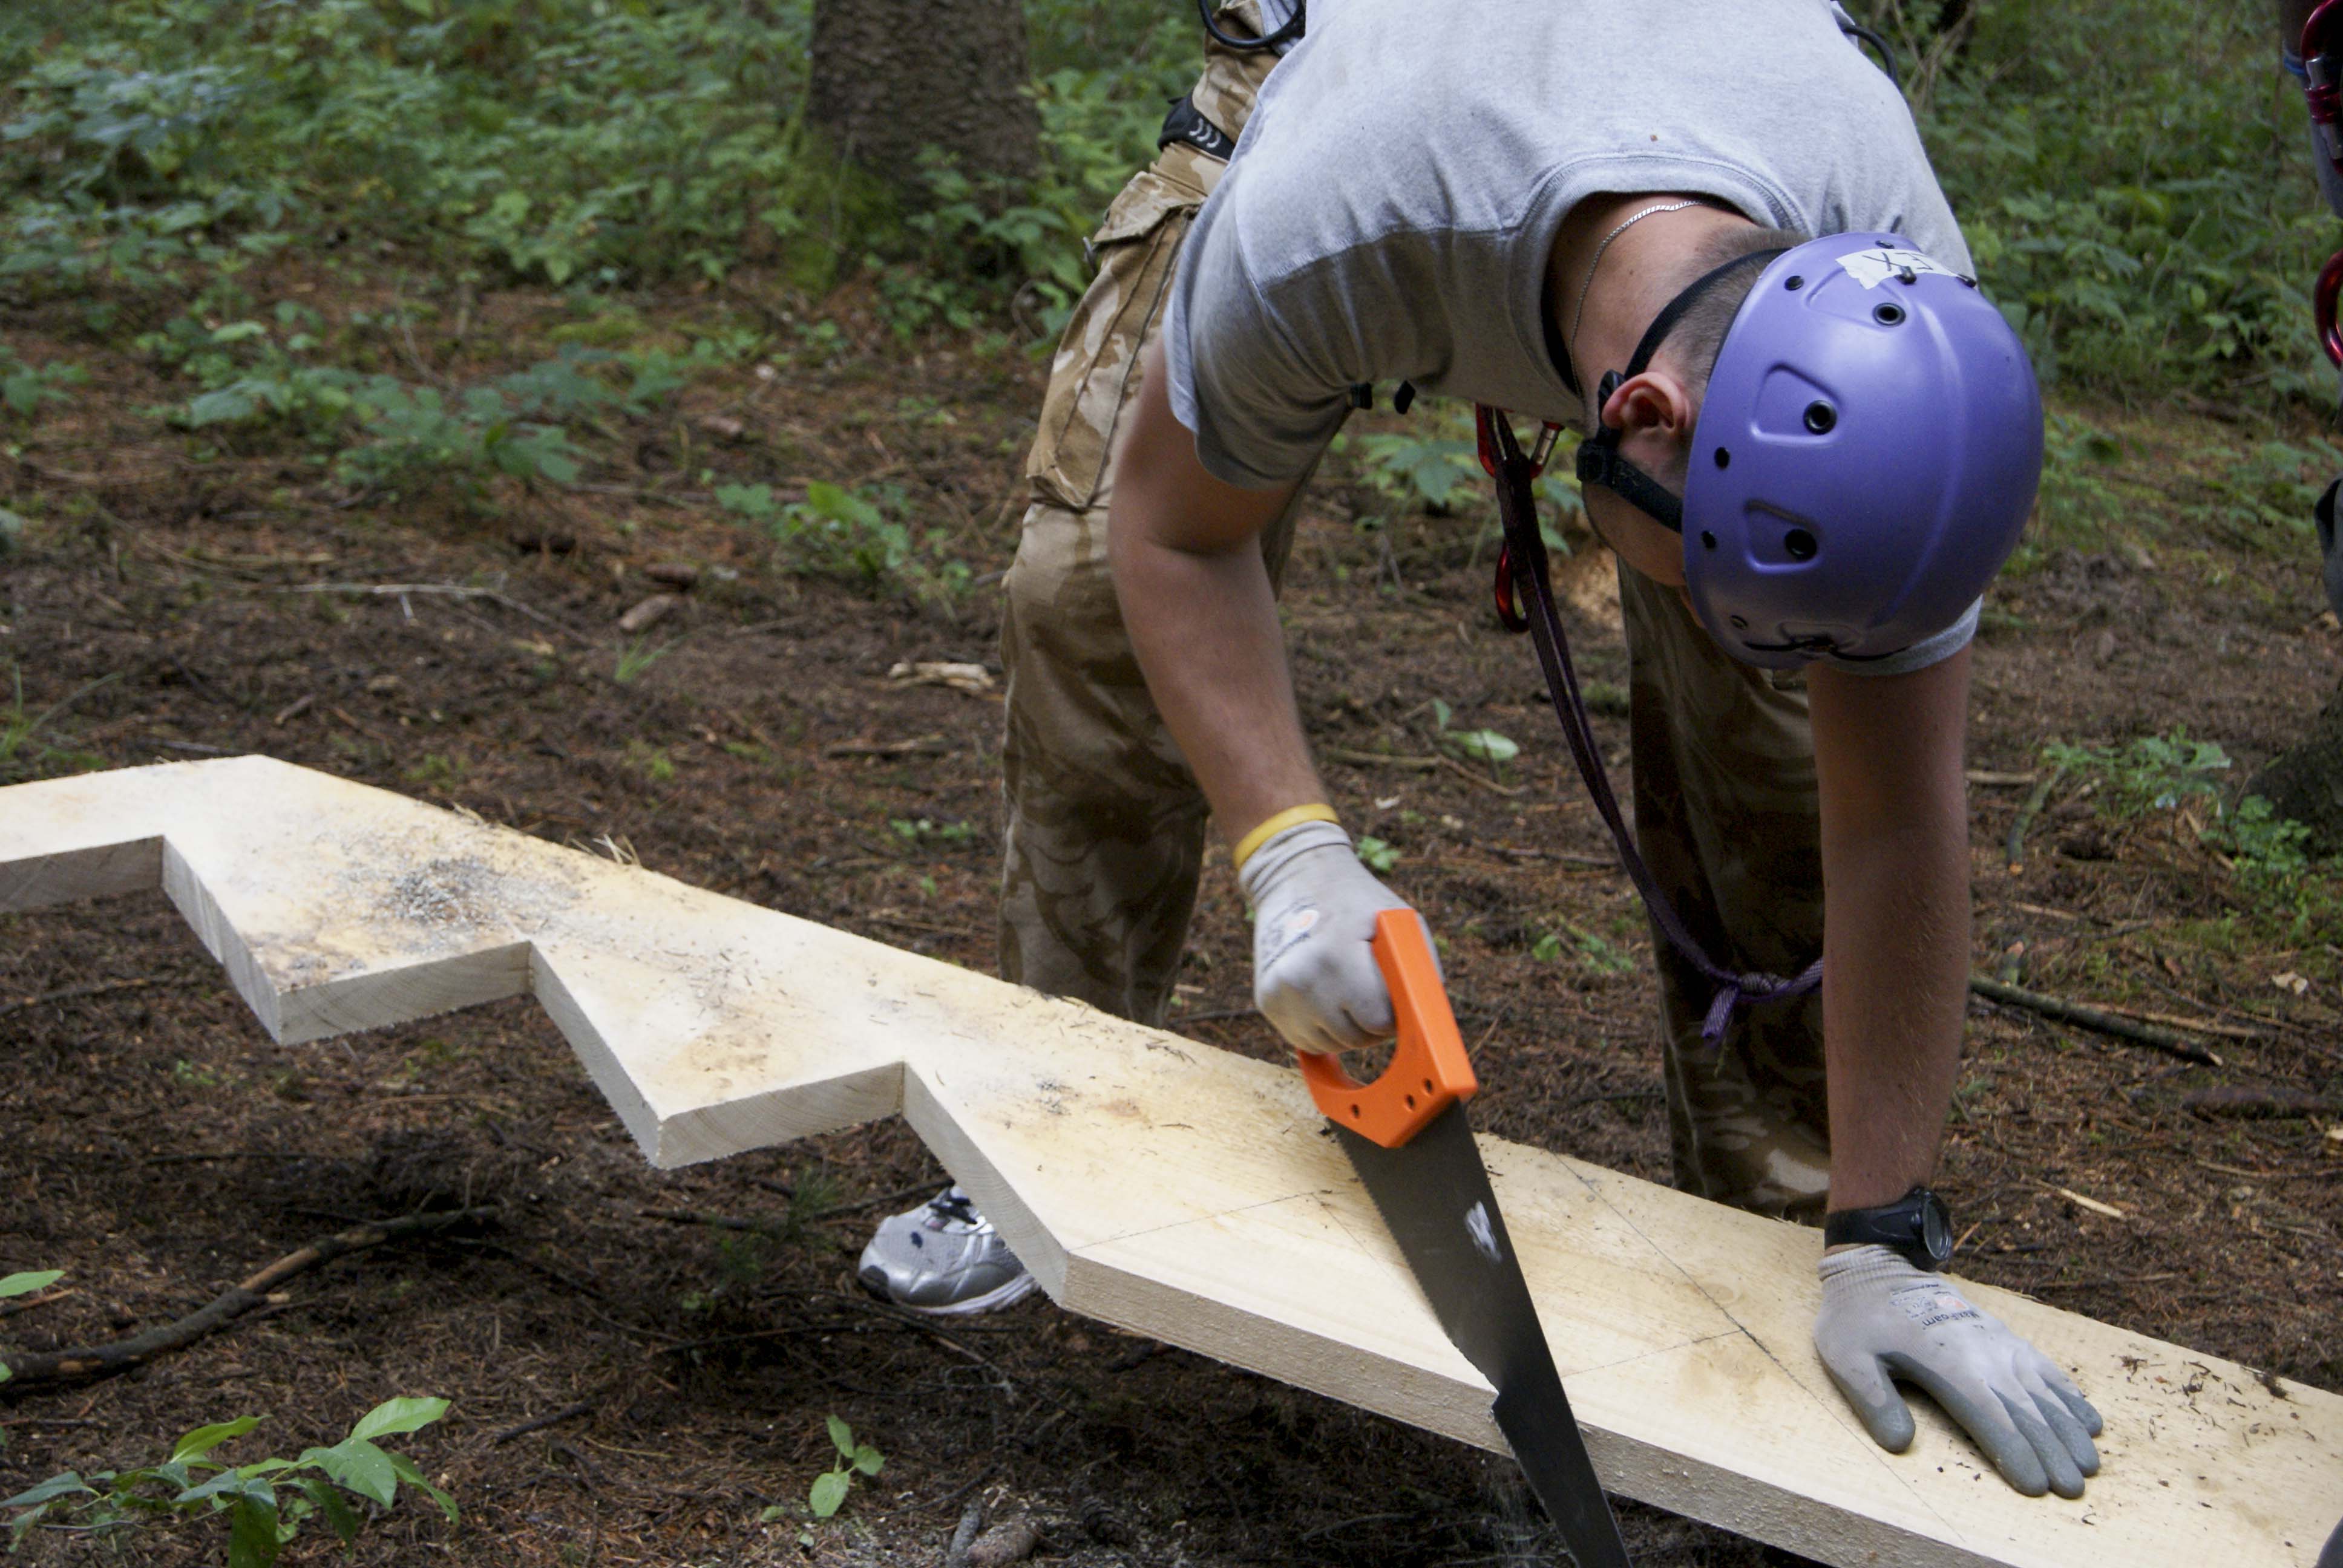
x=1916 y=1225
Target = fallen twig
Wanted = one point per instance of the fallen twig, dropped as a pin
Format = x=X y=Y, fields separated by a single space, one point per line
x=1459 y=769
x=2091 y=1017
x=77 y=992
x=440 y=590
x=921 y=745
x=2104 y=1281
x=1378 y=759
x=695 y=1217
x=2193 y=1025
x=120 y=1354
x=2016 y=844
x=1560 y=857
x=566 y=1412
x=2237 y=1100
x=26 y=1303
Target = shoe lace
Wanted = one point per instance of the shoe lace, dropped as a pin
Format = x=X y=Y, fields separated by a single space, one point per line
x=953 y=1204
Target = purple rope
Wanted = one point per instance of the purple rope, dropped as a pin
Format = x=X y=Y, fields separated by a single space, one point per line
x=1525 y=556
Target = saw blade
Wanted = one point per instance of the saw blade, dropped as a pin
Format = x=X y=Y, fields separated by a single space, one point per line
x=1434 y=1194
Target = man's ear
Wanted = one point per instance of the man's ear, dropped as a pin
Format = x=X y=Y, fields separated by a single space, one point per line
x=1654 y=401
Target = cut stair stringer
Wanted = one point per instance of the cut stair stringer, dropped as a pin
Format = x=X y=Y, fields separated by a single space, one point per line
x=1165 y=1186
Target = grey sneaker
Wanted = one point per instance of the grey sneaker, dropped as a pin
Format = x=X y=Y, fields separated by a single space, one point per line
x=943 y=1257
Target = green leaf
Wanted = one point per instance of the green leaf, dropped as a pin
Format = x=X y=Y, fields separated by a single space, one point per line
x=1377 y=856
x=843 y=1435
x=328 y=1501
x=1487 y=745
x=227 y=1483
x=771 y=1513
x=362 y=1467
x=829 y=1493
x=253 y=1540
x=869 y=1460
x=203 y=1439
x=397 y=1415
x=26 y=1285
x=65 y=1486
x=1441 y=714
x=409 y=1473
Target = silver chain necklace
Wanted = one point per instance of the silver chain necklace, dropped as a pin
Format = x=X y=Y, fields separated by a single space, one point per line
x=1578 y=314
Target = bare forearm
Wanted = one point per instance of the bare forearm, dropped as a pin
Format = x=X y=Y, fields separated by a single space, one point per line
x=1185 y=549
x=1205 y=628
x=1895 y=939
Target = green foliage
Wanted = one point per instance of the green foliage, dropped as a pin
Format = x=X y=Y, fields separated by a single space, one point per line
x=23 y=755
x=266 y=1502
x=1597 y=955
x=391 y=437
x=2078 y=503
x=828 y=1493
x=2134 y=183
x=1485 y=745
x=25 y=388
x=1378 y=856
x=636 y=658
x=604 y=140
x=2263 y=498
x=2268 y=853
x=2154 y=772
x=1419 y=470
x=854 y=535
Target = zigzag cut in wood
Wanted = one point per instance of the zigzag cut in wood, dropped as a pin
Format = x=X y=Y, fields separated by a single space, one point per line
x=1165 y=1186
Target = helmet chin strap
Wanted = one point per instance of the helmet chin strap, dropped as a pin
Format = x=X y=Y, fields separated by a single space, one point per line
x=1600 y=461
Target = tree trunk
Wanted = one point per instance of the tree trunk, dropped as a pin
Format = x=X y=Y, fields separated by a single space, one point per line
x=891 y=78
x=2305 y=780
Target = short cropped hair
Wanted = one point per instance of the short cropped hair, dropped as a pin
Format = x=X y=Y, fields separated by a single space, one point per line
x=1699 y=333
x=1698 y=336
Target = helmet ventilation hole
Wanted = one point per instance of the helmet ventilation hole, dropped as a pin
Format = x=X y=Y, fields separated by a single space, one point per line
x=1888 y=315
x=1794 y=283
x=1821 y=417
x=1723 y=458
x=1799 y=543
x=1707 y=540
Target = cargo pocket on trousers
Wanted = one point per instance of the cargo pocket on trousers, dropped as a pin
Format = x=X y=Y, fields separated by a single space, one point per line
x=1097 y=365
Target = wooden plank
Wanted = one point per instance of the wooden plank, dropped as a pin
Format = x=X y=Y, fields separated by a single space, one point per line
x=1165 y=1186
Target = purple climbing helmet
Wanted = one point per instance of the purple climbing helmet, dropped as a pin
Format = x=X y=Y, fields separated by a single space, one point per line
x=1863 y=460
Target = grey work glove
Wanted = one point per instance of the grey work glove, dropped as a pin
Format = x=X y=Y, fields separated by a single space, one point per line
x=1313 y=914
x=1882 y=1319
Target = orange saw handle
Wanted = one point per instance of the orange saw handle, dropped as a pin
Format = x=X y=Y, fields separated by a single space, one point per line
x=1429 y=1071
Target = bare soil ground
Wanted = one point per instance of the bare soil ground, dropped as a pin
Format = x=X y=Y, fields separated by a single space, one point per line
x=155 y=1145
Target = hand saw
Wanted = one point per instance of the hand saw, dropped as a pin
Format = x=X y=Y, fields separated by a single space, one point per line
x=1407 y=1135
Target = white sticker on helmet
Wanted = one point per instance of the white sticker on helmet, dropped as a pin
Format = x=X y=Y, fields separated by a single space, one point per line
x=1875 y=267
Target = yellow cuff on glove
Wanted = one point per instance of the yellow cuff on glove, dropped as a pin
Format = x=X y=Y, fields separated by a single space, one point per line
x=1316 y=812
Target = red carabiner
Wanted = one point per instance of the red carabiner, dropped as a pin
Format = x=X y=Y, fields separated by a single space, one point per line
x=1509 y=611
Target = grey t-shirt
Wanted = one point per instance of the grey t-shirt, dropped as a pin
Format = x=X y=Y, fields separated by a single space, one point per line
x=1394 y=199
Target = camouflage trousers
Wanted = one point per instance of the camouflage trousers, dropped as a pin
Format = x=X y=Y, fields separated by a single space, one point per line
x=1106 y=826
